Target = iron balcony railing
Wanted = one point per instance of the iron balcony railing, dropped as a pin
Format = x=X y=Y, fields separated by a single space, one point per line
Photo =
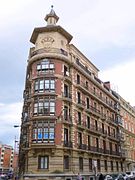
x=68 y=144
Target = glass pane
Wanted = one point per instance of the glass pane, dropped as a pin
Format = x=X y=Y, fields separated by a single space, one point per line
x=51 y=135
x=36 y=85
x=40 y=133
x=51 y=66
x=46 y=162
x=46 y=136
x=41 y=84
x=42 y=163
x=52 y=83
x=38 y=66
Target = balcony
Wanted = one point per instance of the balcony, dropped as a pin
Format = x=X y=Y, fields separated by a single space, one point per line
x=67 y=119
x=80 y=103
x=93 y=110
x=82 y=146
x=68 y=144
x=84 y=68
x=112 y=121
x=119 y=120
x=67 y=76
x=50 y=51
x=86 y=89
x=67 y=96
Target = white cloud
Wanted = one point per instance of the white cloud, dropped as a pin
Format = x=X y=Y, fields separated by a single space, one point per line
x=122 y=79
x=10 y=115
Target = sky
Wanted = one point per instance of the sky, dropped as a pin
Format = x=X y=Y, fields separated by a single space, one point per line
x=103 y=30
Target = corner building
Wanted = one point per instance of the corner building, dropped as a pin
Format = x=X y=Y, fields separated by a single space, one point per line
x=71 y=121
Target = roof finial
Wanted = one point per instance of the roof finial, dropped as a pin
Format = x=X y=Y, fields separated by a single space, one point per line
x=51 y=18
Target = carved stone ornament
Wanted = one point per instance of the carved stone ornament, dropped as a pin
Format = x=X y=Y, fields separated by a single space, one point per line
x=47 y=42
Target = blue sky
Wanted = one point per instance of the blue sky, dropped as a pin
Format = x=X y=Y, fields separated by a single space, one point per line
x=103 y=30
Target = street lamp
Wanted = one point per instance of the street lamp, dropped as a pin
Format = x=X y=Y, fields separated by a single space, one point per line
x=16 y=126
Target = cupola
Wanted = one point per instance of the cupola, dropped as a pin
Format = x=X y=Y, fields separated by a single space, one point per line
x=51 y=18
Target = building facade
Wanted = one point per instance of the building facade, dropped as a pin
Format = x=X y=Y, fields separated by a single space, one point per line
x=128 y=118
x=6 y=158
x=71 y=120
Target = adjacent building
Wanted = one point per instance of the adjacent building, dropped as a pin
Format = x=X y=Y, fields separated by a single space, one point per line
x=71 y=120
x=8 y=158
x=128 y=118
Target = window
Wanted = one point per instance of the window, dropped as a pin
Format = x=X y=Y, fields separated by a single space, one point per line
x=78 y=79
x=79 y=118
x=121 y=164
x=44 y=107
x=79 y=138
x=116 y=148
x=88 y=103
x=80 y=163
x=110 y=146
x=108 y=130
x=111 y=165
x=45 y=66
x=117 y=166
x=43 y=162
x=94 y=90
x=65 y=113
x=89 y=142
x=66 y=91
x=103 y=128
x=66 y=162
x=88 y=122
x=105 y=162
x=78 y=97
x=66 y=71
x=43 y=132
x=90 y=164
x=65 y=135
x=98 y=164
x=86 y=84
x=44 y=85
x=104 y=146
x=96 y=125
x=97 y=144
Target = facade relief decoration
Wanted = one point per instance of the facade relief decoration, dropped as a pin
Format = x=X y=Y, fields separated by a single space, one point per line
x=47 y=42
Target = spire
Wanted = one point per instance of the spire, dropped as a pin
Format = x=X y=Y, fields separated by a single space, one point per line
x=51 y=18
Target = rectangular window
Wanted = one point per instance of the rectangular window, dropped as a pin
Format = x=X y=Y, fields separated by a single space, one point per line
x=117 y=166
x=121 y=166
x=79 y=118
x=66 y=91
x=98 y=164
x=90 y=164
x=43 y=85
x=88 y=103
x=66 y=162
x=78 y=79
x=44 y=107
x=43 y=132
x=79 y=138
x=105 y=162
x=80 y=163
x=65 y=113
x=45 y=66
x=88 y=122
x=89 y=144
x=111 y=165
x=43 y=162
x=78 y=97
x=65 y=135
